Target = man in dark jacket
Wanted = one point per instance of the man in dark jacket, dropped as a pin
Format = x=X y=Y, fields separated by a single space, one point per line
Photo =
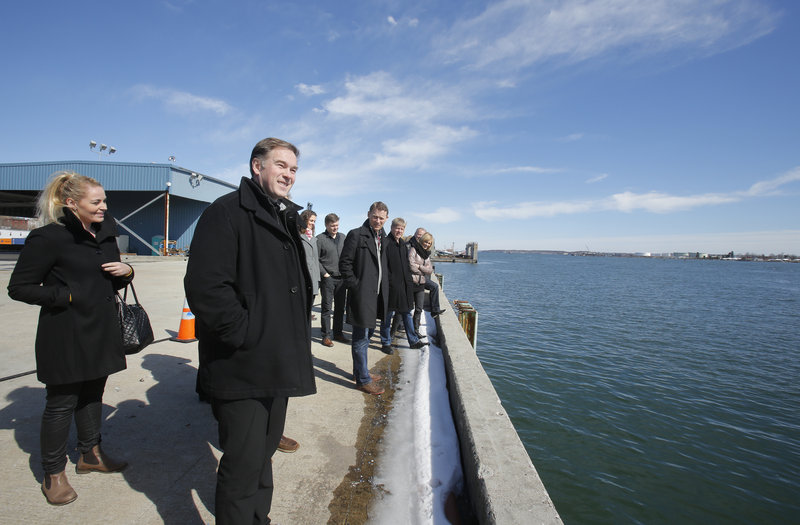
x=334 y=294
x=250 y=290
x=401 y=288
x=363 y=268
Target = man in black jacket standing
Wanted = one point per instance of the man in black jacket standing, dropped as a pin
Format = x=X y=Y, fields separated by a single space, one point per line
x=401 y=288
x=363 y=268
x=249 y=288
x=334 y=295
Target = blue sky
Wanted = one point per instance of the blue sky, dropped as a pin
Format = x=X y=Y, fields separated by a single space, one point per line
x=609 y=125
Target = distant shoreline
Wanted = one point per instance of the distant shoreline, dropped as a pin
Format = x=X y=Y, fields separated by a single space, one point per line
x=674 y=255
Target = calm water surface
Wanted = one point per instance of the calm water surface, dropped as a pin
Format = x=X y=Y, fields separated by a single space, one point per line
x=647 y=390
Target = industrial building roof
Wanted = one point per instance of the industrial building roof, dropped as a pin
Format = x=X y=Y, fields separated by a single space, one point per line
x=117 y=176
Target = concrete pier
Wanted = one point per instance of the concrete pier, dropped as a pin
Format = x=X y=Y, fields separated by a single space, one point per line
x=153 y=419
x=502 y=482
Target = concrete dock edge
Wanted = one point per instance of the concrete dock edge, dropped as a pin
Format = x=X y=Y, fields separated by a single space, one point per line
x=502 y=482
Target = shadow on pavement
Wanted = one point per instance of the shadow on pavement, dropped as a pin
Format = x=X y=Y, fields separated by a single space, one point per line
x=168 y=442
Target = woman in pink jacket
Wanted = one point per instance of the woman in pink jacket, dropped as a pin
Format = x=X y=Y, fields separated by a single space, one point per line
x=419 y=258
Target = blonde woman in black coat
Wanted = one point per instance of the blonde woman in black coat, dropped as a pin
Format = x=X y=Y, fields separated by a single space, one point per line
x=71 y=268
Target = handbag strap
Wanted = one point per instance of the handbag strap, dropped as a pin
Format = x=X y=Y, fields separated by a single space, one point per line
x=125 y=294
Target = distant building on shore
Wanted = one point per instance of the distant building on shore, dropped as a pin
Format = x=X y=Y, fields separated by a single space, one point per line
x=469 y=255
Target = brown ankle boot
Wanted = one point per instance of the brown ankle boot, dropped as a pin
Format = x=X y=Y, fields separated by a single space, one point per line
x=57 y=489
x=97 y=461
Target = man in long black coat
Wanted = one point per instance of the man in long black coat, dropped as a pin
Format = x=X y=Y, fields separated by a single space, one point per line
x=401 y=288
x=250 y=290
x=362 y=265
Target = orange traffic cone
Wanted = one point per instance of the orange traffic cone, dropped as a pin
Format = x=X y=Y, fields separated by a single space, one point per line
x=186 y=329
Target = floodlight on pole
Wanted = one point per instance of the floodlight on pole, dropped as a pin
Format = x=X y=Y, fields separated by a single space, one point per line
x=101 y=149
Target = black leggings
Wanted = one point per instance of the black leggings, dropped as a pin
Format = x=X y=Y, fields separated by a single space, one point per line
x=84 y=400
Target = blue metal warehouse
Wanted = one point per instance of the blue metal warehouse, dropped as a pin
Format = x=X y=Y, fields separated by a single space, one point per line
x=149 y=201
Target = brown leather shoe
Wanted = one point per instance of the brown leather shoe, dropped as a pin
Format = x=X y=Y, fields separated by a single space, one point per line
x=57 y=489
x=97 y=461
x=371 y=388
x=327 y=341
x=288 y=445
x=342 y=339
x=375 y=377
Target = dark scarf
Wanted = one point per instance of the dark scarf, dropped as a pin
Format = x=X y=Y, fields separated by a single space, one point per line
x=419 y=249
x=100 y=229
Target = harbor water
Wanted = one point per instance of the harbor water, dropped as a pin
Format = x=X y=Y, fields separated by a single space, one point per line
x=646 y=390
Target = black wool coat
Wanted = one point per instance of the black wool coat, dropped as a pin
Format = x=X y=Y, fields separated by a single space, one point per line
x=248 y=286
x=358 y=265
x=401 y=283
x=76 y=340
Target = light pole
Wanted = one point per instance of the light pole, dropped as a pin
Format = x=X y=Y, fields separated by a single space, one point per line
x=101 y=149
x=166 y=219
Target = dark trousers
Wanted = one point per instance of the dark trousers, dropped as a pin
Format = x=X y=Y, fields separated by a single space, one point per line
x=84 y=402
x=419 y=303
x=249 y=433
x=334 y=296
x=432 y=285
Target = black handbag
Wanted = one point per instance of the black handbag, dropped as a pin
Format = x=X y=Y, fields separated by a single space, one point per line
x=134 y=323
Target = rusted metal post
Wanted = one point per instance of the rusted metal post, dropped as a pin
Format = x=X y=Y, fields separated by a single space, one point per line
x=468 y=317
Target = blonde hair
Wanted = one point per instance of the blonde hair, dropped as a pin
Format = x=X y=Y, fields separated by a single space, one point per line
x=426 y=237
x=62 y=186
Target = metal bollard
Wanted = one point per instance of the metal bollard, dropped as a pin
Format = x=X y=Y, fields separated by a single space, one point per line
x=468 y=317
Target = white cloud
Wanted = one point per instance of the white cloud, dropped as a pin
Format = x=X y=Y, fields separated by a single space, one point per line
x=233 y=174
x=526 y=210
x=770 y=186
x=379 y=96
x=571 y=138
x=334 y=182
x=310 y=90
x=410 y=22
x=513 y=34
x=527 y=169
x=656 y=202
x=442 y=215
x=392 y=124
x=652 y=202
x=417 y=149
x=598 y=178
x=182 y=101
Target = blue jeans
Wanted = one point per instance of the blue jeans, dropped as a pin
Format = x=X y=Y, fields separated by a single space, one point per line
x=408 y=322
x=360 y=344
